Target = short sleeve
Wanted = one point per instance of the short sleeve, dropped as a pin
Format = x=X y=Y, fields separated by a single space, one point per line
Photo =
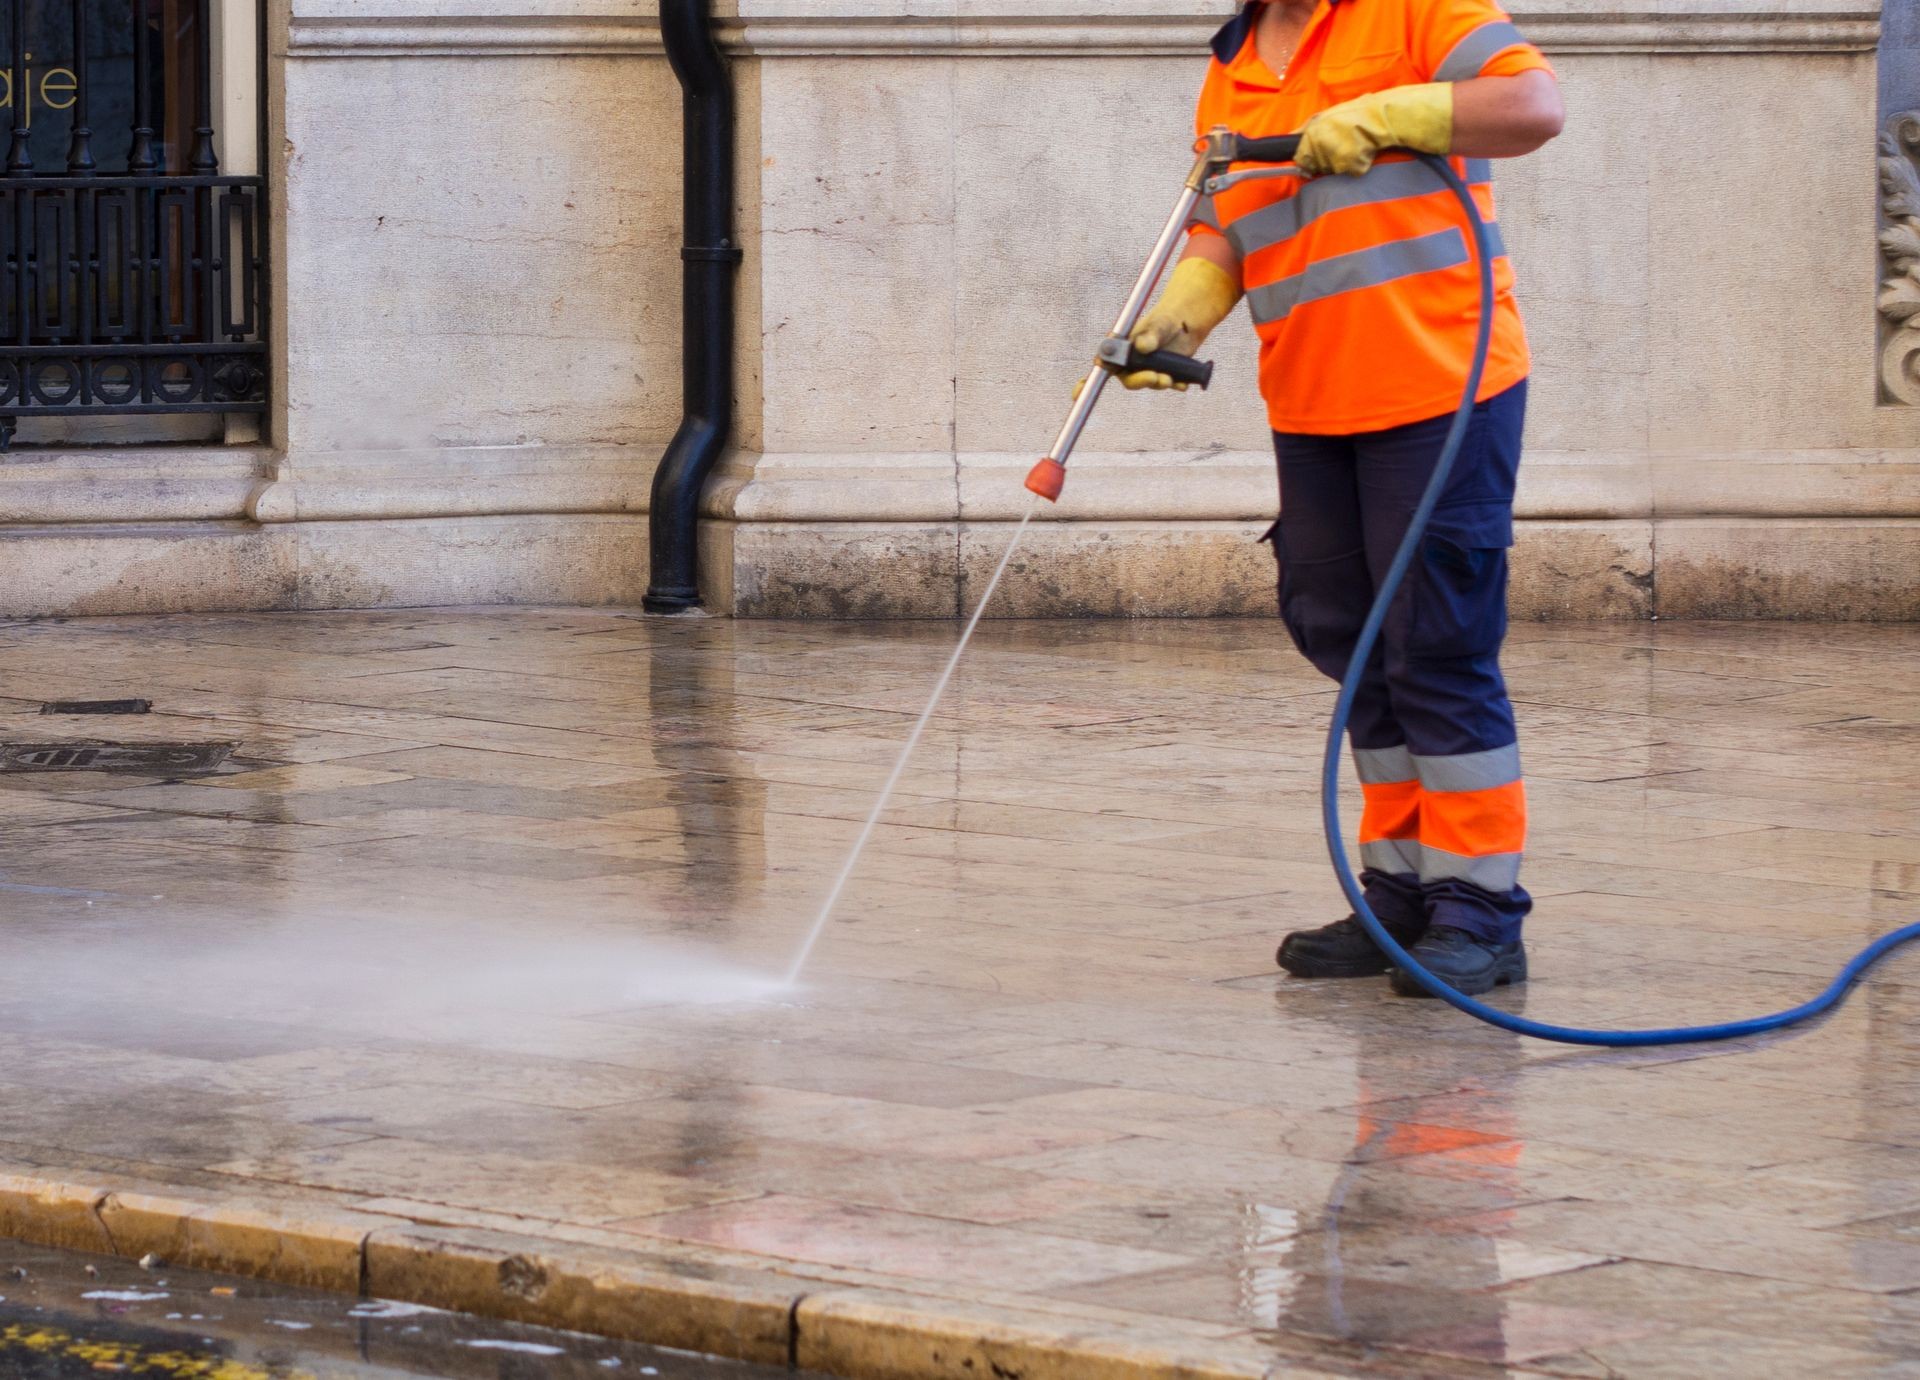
x=1206 y=220
x=1458 y=40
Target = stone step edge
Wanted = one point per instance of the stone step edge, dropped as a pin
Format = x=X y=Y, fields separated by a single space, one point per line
x=672 y=1298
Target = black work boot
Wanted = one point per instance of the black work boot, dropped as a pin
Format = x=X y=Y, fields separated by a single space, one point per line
x=1465 y=962
x=1341 y=950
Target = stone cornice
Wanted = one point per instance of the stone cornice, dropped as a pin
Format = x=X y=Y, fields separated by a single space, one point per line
x=477 y=481
x=1051 y=30
x=106 y=484
x=471 y=35
x=1238 y=486
x=177 y=484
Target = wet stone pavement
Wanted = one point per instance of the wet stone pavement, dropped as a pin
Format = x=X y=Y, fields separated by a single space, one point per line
x=479 y=921
x=68 y=1314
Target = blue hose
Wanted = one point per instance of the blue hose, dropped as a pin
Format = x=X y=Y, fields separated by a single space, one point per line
x=1343 y=710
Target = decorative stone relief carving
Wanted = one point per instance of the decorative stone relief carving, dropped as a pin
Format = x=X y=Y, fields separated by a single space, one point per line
x=1900 y=246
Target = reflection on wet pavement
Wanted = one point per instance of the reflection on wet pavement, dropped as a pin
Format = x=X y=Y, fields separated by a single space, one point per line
x=66 y=1314
x=482 y=923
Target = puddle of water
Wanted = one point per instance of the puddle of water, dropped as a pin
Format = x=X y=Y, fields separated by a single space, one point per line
x=389 y=1308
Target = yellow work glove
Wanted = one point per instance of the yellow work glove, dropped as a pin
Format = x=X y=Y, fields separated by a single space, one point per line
x=1348 y=137
x=1198 y=297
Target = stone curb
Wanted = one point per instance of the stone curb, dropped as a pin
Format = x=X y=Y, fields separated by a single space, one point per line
x=648 y=1294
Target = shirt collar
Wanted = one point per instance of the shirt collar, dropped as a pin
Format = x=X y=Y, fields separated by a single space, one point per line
x=1236 y=33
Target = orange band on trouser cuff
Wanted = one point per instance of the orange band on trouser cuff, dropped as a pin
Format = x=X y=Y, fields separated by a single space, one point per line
x=1392 y=811
x=1390 y=827
x=1475 y=823
x=1474 y=836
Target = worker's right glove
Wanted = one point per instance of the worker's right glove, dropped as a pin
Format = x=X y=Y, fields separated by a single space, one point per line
x=1199 y=296
x=1347 y=138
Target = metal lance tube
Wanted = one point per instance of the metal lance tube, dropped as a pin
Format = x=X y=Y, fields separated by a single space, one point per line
x=1163 y=251
x=710 y=259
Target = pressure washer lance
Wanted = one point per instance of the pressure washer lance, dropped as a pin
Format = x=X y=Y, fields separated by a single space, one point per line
x=1214 y=172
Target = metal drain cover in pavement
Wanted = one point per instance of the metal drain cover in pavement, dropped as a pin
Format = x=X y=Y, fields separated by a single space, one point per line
x=97 y=707
x=135 y=759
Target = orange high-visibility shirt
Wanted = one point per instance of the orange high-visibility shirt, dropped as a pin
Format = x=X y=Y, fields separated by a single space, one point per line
x=1364 y=290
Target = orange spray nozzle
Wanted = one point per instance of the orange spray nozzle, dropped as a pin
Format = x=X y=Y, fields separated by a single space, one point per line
x=1047 y=479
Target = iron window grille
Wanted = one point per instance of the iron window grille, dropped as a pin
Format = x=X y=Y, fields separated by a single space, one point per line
x=132 y=272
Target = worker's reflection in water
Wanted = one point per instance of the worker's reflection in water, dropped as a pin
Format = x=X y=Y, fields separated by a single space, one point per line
x=1377 y=1263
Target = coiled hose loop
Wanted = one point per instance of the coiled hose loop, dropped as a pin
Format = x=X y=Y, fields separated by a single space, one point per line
x=1343 y=709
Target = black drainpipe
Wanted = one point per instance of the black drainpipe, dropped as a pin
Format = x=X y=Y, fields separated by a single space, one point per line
x=710 y=257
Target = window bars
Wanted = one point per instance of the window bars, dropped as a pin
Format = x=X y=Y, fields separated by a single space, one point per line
x=132 y=273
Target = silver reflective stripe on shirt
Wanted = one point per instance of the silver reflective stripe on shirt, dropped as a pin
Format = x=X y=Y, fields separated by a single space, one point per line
x=1472 y=53
x=1363 y=268
x=1491 y=872
x=1400 y=857
x=1384 y=766
x=1205 y=214
x=1470 y=771
x=1280 y=222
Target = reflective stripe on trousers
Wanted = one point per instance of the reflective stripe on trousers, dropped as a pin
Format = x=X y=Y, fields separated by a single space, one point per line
x=1458 y=818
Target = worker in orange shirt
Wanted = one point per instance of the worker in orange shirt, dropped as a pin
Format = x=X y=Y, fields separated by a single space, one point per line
x=1366 y=298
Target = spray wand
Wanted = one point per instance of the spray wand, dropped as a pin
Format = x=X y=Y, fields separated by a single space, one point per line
x=1218 y=152
x=1212 y=172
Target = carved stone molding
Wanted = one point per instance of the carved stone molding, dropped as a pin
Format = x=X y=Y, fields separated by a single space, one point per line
x=990 y=28
x=1900 y=248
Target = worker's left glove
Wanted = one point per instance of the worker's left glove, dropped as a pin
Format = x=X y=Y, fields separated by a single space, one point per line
x=1199 y=296
x=1347 y=138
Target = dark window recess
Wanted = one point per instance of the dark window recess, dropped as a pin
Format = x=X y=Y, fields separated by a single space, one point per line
x=132 y=274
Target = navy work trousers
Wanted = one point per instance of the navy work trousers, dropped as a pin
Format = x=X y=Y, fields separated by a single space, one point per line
x=1433 y=694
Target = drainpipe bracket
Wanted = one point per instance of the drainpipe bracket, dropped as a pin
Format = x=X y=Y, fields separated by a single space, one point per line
x=709 y=254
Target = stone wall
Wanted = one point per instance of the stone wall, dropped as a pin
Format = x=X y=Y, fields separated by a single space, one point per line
x=1705 y=439
x=475 y=318
x=942 y=202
